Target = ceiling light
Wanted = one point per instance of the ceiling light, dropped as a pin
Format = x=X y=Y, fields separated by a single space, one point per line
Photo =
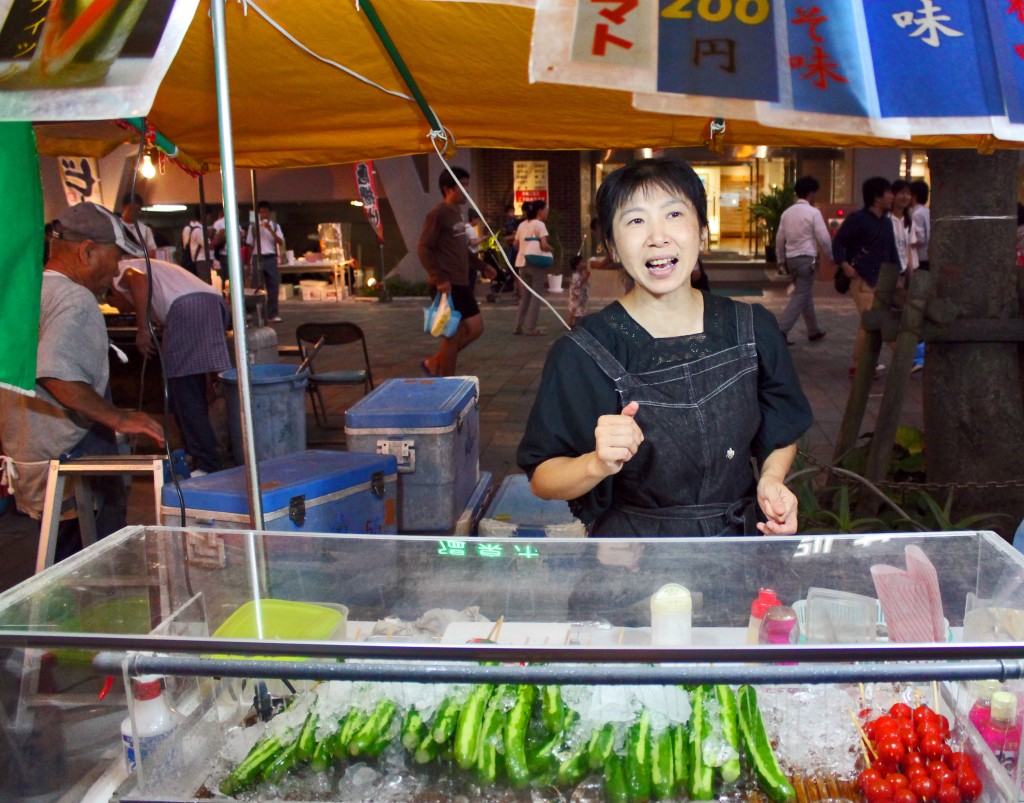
x=356 y=203
x=147 y=169
x=165 y=208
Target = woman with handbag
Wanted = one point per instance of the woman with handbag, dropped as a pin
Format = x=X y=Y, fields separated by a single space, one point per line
x=532 y=263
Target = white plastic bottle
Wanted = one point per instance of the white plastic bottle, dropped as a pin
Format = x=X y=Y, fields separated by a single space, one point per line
x=671 y=616
x=765 y=599
x=153 y=716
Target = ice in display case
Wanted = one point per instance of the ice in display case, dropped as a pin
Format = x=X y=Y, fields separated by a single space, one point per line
x=552 y=634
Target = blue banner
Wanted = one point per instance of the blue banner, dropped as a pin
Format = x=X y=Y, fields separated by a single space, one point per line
x=827 y=51
x=933 y=58
x=1006 y=26
x=718 y=48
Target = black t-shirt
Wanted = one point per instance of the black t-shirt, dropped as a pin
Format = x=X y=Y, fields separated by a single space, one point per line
x=574 y=392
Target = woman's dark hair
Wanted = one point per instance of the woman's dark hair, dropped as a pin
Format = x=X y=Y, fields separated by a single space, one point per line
x=898 y=186
x=665 y=173
x=532 y=208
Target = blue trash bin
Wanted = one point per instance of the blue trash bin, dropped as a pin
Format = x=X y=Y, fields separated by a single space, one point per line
x=278 y=397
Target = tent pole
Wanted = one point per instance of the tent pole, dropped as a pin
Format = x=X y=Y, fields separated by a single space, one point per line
x=227 y=171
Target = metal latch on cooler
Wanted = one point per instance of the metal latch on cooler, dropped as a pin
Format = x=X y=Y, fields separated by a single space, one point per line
x=297 y=510
x=403 y=451
x=377 y=484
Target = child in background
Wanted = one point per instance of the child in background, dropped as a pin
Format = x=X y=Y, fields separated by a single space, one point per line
x=579 y=289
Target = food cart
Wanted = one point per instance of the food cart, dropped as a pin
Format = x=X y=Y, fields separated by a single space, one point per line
x=304 y=630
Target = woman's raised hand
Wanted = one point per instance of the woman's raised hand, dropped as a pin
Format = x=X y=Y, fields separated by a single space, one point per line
x=617 y=437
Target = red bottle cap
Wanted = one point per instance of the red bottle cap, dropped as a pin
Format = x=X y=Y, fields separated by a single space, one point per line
x=765 y=599
x=148 y=687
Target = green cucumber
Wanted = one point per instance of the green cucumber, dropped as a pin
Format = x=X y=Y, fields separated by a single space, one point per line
x=552 y=708
x=373 y=729
x=491 y=730
x=662 y=776
x=638 y=759
x=730 y=731
x=348 y=728
x=467 y=732
x=279 y=767
x=414 y=729
x=264 y=752
x=540 y=758
x=572 y=768
x=680 y=758
x=701 y=775
x=323 y=755
x=445 y=720
x=615 y=780
x=427 y=750
x=307 y=739
x=515 y=738
x=755 y=739
x=602 y=743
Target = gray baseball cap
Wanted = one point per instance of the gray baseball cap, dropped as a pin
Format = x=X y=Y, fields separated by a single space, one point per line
x=88 y=221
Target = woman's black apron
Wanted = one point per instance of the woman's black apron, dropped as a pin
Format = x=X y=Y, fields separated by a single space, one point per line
x=692 y=475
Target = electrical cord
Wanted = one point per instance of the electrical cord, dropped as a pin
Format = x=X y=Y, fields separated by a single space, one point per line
x=434 y=140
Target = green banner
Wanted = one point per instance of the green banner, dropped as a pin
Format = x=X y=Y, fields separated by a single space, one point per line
x=21 y=255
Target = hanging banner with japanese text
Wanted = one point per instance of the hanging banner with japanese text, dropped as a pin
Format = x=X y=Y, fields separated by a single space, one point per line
x=1006 y=26
x=897 y=68
x=933 y=58
x=86 y=61
x=81 y=179
x=367 y=188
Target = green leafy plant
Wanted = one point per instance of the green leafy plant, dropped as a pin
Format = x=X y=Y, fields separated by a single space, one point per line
x=767 y=213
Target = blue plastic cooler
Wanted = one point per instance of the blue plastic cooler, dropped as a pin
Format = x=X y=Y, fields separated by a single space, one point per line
x=314 y=491
x=432 y=426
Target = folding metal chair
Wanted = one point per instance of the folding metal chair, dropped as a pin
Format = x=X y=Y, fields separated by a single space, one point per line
x=333 y=334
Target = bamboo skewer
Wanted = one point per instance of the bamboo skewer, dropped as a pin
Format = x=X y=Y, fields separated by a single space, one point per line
x=935 y=695
x=622 y=633
x=493 y=635
x=359 y=632
x=865 y=742
x=568 y=634
x=391 y=631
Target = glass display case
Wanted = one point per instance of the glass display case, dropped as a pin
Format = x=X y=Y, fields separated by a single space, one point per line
x=284 y=641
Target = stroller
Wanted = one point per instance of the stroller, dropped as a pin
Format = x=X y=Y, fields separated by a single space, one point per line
x=504 y=281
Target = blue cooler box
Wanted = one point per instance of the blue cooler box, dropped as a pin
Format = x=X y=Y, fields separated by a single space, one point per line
x=305 y=492
x=470 y=517
x=515 y=511
x=432 y=426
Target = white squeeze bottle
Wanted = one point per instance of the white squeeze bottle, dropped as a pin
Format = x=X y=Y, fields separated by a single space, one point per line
x=153 y=716
x=765 y=599
x=671 y=616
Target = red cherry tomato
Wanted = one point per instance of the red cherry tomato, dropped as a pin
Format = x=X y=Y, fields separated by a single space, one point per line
x=970 y=787
x=944 y=726
x=910 y=739
x=901 y=711
x=947 y=751
x=923 y=712
x=904 y=795
x=929 y=727
x=931 y=748
x=886 y=724
x=878 y=791
x=890 y=750
x=924 y=787
x=948 y=793
x=944 y=775
x=915 y=772
x=866 y=776
x=897 y=780
x=910 y=760
x=958 y=762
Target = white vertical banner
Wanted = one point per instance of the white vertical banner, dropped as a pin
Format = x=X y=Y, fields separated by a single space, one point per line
x=80 y=177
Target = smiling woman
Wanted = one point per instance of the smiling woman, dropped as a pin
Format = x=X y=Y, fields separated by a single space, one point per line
x=652 y=412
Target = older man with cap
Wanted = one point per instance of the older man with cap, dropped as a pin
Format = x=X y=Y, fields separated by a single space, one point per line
x=71 y=411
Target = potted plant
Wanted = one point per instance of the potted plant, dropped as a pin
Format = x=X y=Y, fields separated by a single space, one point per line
x=767 y=212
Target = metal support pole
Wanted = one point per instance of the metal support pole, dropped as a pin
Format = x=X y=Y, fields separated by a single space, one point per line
x=383 y=296
x=227 y=170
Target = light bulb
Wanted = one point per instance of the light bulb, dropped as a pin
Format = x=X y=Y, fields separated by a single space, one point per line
x=147 y=169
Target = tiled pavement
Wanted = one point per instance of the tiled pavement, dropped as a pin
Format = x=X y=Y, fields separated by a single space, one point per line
x=509 y=369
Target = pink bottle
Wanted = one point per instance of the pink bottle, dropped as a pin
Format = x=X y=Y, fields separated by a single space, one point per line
x=1002 y=733
x=981 y=711
x=765 y=599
